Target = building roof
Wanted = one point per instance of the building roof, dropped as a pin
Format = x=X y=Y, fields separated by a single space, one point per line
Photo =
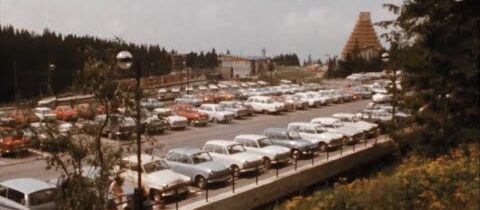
x=27 y=185
x=363 y=34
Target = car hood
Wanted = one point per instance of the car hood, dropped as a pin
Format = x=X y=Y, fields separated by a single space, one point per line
x=273 y=149
x=176 y=118
x=164 y=178
x=13 y=142
x=224 y=113
x=330 y=135
x=213 y=166
x=246 y=156
x=347 y=131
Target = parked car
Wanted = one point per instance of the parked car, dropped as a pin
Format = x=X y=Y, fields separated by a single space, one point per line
x=381 y=98
x=216 y=113
x=233 y=155
x=296 y=101
x=288 y=105
x=151 y=123
x=12 y=142
x=265 y=104
x=299 y=147
x=210 y=98
x=117 y=126
x=317 y=134
x=198 y=165
x=349 y=119
x=193 y=116
x=6 y=119
x=157 y=177
x=172 y=120
x=27 y=194
x=331 y=124
x=44 y=114
x=261 y=145
x=237 y=109
x=151 y=103
x=66 y=113
x=360 y=92
x=189 y=99
x=310 y=98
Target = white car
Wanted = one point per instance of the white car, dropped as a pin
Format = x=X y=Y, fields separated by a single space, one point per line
x=157 y=177
x=233 y=155
x=381 y=98
x=27 y=194
x=212 y=87
x=263 y=146
x=237 y=109
x=44 y=114
x=176 y=122
x=331 y=124
x=311 y=99
x=265 y=104
x=317 y=134
x=349 y=119
x=216 y=113
x=202 y=88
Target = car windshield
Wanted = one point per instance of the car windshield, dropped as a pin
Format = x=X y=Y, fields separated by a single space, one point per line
x=41 y=197
x=264 y=142
x=319 y=129
x=234 y=149
x=310 y=96
x=219 y=109
x=293 y=135
x=155 y=166
x=201 y=157
x=268 y=101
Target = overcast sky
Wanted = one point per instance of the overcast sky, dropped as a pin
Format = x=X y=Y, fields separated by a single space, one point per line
x=316 y=27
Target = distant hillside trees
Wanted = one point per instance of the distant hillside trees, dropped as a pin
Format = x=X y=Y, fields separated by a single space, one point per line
x=287 y=60
x=25 y=57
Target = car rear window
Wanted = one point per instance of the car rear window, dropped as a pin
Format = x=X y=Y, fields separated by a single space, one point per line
x=41 y=197
x=12 y=195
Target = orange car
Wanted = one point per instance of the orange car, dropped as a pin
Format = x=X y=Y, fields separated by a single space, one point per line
x=24 y=117
x=193 y=116
x=11 y=142
x=66 y=113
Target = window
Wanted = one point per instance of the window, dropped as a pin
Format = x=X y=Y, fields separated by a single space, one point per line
x=155 y=166
x=172 y=157
x=16 y=196
x=237 y=148
x=250 y=143
x=3 y=191
x=220 y=150
x=41 y=197
x=209 y=148
x=308 y=130
x=201 y=157
x=184 y=159
x=264 y=142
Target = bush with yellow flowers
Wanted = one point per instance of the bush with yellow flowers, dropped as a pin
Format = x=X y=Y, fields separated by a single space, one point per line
x=447 y=182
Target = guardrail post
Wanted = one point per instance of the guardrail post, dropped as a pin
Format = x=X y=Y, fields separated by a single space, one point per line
x=366 y=141
x=341 y=148
x=276 y=172
x=233 y=181
x=256 y=175
x=353 y=148
x=176 y=199
x=313 y=158
x=295 y=164
x=327 y=155
x=206 y=190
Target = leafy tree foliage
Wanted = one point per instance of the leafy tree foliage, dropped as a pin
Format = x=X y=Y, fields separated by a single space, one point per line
x=287 y=60
x=437 y=44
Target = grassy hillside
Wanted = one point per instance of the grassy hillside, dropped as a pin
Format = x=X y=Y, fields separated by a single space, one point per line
x=447 y=182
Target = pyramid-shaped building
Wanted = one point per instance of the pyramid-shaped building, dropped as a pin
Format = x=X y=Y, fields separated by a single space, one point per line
x=363 y=36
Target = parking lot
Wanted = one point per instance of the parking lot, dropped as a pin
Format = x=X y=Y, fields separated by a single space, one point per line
x=34 y=166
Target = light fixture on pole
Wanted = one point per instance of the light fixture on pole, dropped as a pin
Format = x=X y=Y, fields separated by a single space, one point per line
x=125 y=61
x=51 y=69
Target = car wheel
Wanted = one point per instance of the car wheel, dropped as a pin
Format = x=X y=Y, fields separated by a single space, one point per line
x=323 y=146
x=235 y=170
x=305 y=107
x=265 y=111
x=201 y=182
x=295 y=154
x=267 y=164
x=215 y=120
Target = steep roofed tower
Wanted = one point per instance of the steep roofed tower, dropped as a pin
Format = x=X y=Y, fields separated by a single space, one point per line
x=364 y=37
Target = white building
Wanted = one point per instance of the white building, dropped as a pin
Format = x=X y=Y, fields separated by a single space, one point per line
x=234 y=66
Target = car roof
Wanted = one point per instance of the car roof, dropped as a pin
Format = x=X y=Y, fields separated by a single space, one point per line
x=146 y=158
x=41 y=108
x=260 y=97
x=305 y=124
x=343 y=115
x=186 y=150
x=276 y=130
x=212 y=105
x=27 y=185
x=250 y=136
x=326 y=120
x=221 y=142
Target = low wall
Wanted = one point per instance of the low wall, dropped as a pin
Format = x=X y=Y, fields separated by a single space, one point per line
x=270 y=190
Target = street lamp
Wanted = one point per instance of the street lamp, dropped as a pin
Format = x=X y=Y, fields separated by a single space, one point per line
x=386 y=59
x=125 y=61
x=184 y=62
x=51 y=69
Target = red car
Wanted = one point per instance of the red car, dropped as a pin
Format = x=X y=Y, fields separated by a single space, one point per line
x=66 y=113
x=11 y=142
x=193 y=116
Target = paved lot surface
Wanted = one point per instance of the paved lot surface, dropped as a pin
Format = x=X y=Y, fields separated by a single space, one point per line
x=34 y=166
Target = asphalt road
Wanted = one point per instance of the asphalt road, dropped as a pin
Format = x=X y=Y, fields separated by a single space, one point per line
x=34 y=166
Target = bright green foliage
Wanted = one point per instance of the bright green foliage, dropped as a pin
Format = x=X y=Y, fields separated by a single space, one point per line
x=447 y=182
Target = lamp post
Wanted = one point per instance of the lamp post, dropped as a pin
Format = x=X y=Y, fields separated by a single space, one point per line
x=270 y=68
x=125 y=61
x=386 y=59
x=51 y=69
x=184 y=62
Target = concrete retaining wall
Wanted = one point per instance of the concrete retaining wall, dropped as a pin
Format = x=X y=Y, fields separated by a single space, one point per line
x=270 y=190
